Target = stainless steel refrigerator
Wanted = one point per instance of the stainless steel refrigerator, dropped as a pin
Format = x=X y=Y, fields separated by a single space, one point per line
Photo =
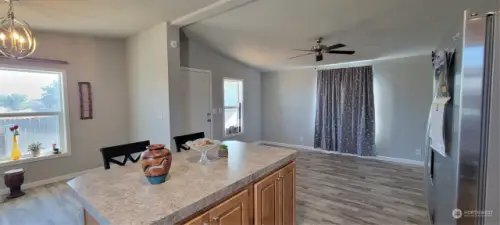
x=462 y=186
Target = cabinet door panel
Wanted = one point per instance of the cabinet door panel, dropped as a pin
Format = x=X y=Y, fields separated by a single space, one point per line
x=233 y=216
x=288 y=194
x=203 y=219
x=234 y=211
x=266 y=195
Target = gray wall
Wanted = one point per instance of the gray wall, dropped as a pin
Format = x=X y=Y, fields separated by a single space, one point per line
x=403 y=93
x=198 y=56
x=288 y=106
x=147 y=62
x=99 y=61
x=175 y=89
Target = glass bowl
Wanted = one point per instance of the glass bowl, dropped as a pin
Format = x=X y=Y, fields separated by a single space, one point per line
x=203 y=149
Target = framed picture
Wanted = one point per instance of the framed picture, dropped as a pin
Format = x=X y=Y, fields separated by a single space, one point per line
x=85 y=90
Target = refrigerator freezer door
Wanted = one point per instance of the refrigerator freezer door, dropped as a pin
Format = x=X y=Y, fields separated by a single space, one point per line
x=492 y=181
x=474 y=121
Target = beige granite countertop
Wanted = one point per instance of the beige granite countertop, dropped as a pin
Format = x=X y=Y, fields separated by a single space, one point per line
x=122 y=195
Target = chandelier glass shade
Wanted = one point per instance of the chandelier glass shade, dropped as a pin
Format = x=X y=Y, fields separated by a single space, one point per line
x=16 y=38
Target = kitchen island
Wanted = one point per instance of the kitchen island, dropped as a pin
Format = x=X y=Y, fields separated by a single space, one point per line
x=254 y=185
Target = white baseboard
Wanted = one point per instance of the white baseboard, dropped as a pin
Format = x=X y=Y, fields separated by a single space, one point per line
x=309 y=148
x=400 y=160
x=50 y=180
x=257 y=142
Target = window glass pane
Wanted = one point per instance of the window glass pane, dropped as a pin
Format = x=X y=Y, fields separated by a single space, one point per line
x=43 y=129
x=231 y=93
x=230 y=117
x=232 y=121
x=233 y=104
x=25 y=91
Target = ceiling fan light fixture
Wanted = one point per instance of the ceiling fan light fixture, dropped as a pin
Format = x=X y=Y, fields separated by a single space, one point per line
x=16 y=39
x=319 y=57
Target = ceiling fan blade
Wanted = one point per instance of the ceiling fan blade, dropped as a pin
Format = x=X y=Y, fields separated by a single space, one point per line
x=303 y=50
x=301 y=55
x=339 y=45
x=341 y=52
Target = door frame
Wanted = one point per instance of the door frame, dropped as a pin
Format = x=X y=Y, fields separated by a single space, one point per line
x=209 y=73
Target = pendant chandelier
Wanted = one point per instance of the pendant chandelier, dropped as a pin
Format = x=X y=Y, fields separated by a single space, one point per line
x=16 y=39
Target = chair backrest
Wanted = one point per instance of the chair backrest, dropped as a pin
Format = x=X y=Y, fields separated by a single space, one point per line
x=108 y=153
x=180 y=140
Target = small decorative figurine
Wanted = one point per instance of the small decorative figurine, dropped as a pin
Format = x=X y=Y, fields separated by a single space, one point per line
x=55 y=150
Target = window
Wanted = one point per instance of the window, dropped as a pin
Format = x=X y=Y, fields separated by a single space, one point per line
x=233 y=107
x=33 y=100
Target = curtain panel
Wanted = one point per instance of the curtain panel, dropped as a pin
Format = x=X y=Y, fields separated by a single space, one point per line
x=345 y=115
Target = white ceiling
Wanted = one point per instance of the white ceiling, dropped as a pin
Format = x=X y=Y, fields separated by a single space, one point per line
x=262 y=33
x=115 y=18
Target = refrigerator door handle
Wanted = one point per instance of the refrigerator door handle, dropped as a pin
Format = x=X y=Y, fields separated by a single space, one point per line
x=427 y=148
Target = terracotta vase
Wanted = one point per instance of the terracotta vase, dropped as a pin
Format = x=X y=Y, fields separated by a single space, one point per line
x=156 y=162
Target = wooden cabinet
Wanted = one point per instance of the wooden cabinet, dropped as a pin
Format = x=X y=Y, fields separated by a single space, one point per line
x=288 y=194
x=233 y=211
x=203 y=219
x=275 y=198
x=270 y=201
x=267 y=192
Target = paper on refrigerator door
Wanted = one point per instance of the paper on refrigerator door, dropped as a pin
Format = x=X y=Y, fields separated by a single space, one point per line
x=436 y=133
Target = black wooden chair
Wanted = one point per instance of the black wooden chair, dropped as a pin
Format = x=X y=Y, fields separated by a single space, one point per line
x=180 y=141
x=126 y=151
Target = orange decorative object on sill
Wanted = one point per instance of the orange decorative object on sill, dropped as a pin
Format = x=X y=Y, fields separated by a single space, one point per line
x=15 y=154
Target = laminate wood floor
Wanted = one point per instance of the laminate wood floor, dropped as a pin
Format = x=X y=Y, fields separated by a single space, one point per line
x=331 y=189
x=336 y=189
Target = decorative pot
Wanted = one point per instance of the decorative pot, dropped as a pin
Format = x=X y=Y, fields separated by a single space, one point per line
x=13 y=180
x=156 y=162
x=223 y=152
x=35 y=153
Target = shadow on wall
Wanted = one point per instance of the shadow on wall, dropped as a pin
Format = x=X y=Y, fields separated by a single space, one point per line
x=383 y=101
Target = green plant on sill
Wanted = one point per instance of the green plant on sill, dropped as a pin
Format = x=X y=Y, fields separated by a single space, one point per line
x=34 y=147
x=223 y=147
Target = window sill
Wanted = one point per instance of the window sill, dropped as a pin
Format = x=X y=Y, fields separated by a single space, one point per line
x=232 y=135
x=28 y=159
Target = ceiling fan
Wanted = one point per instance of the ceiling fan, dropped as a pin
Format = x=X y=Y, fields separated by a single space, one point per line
x=320 y=48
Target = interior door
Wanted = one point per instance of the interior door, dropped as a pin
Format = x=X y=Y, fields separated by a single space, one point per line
x=267 y=199
x=198 y=116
